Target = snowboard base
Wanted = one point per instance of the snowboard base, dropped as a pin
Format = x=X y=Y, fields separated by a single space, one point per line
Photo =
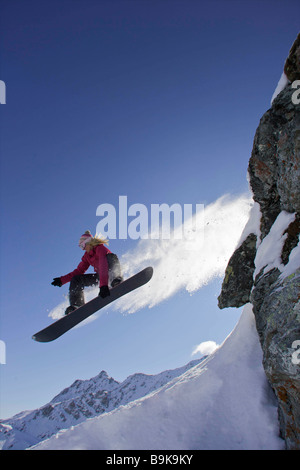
x=64 y=324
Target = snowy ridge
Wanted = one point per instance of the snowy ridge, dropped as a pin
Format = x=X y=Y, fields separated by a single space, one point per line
x=224 y=402
x=283 y=82
x=83 y=399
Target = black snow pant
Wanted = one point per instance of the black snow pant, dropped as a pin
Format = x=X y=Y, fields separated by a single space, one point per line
x=78 y=283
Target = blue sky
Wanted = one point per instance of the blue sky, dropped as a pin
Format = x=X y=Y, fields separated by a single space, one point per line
x=156 y=100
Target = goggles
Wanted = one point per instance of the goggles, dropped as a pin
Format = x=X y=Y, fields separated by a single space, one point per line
x=83 y=242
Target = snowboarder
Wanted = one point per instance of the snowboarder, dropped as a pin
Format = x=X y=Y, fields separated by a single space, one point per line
x=107 y=271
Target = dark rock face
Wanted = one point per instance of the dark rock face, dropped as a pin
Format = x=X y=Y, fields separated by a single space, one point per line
x=277 y=312
x=292 y=64
x=238 y=279
x=274 y=164
x=274 y=174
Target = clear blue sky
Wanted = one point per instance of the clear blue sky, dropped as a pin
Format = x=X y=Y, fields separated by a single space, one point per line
x=154 y=99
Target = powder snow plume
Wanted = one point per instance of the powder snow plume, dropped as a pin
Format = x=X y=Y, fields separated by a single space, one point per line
x=187 y=264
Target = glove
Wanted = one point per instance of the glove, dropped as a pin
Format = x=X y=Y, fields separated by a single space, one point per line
x=104 y=291
x=56 y=282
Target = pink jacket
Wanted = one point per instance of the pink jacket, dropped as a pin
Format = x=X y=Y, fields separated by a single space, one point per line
x=96 y=258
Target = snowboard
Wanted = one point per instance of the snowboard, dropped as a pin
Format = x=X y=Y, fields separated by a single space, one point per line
x=64 y=324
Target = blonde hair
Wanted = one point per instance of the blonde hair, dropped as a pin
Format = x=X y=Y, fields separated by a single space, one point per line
x=95 y=241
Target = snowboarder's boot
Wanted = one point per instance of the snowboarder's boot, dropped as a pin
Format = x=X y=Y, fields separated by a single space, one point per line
x=70 y=309
x=116 y=281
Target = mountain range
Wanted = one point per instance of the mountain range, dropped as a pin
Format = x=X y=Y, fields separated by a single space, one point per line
x=83 y=399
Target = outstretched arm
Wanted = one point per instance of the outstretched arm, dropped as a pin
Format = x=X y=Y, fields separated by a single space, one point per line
x=81 y=269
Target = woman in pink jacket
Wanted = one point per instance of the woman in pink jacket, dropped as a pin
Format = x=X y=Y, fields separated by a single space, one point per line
x=107 y=271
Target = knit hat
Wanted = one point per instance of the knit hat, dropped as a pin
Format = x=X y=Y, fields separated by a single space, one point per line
x=84 y=239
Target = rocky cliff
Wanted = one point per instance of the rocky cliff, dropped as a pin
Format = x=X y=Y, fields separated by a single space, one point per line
x=265 y=268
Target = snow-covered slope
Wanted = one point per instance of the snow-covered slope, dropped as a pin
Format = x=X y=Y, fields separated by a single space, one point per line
x=83 y=399
x=224 y=402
